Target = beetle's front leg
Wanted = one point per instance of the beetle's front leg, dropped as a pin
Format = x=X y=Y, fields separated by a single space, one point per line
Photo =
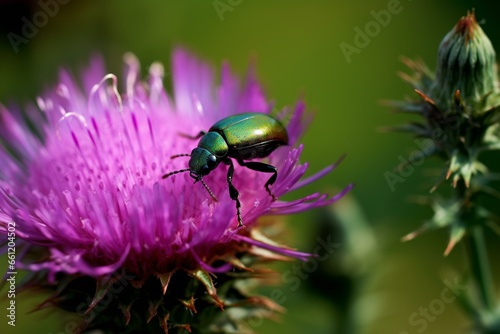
x=233 y=192
x=264 y=168
x=199 y=135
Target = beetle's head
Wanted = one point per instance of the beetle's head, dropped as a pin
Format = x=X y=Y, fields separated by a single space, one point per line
x=202 y=162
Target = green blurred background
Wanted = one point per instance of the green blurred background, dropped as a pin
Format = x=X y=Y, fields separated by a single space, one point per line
x=297 y=48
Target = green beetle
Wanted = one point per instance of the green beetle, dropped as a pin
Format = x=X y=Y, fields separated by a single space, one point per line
x=242 y=137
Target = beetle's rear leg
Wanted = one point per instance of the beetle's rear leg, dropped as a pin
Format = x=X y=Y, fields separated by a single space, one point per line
x=264 y=168
x=233 y=192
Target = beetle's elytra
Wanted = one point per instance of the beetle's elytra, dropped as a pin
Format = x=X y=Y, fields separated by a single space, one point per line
x=241 y=137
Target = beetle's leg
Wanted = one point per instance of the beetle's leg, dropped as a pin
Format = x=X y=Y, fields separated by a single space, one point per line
x=200 y=134
x=233 y=192
x=264 y=168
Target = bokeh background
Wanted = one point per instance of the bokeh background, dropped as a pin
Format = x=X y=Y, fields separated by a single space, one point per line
x=372 y=283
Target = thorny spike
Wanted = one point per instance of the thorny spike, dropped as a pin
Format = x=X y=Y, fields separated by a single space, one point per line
x=126 y=312
x=426 y=98
x=187 y=327
x=102 y=288
x=206 y=280
x=164 y=280
x=457 y=233
x=415 y=233
x=189 y=304
x=153 y=309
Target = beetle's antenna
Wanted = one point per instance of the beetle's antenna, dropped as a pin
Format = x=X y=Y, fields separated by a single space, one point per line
x=208 y=189
x=180 y=155
x=175 y=172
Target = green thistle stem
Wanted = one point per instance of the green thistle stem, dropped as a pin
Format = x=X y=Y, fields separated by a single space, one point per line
x=480 y=267
x=477 y=252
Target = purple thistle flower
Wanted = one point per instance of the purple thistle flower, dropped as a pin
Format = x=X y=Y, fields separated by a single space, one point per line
x=81 y=173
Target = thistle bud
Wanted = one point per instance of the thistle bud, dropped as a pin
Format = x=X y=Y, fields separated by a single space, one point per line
x=459 y=107
x=466 y=62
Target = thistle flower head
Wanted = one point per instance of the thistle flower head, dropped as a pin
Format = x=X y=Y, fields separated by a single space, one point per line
x=81 y=177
